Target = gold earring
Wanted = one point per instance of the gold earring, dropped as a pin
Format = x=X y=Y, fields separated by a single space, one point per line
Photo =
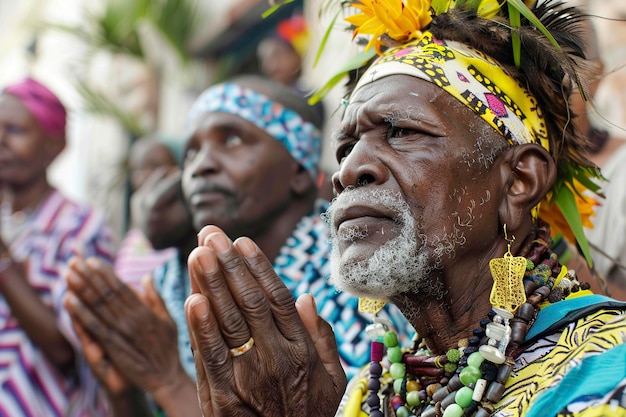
x=507 y=292
x=367 y=305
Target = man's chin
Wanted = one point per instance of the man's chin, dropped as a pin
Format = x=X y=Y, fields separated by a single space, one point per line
x=358 y=288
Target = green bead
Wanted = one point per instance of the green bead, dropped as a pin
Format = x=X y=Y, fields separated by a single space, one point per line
x=453 y=355
x=463 y=397
x=413 y=398
x=402 y=411
x=391 y=339
x=469 y=375
x=529 y=265
x=450 y=367
x=397 y=385
x=475 y=359
x=394 y=354
x=397 y=371
x=453 y=410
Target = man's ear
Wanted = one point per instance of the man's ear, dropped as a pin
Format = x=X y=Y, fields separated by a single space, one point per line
x=528 y=174
x=301 y=182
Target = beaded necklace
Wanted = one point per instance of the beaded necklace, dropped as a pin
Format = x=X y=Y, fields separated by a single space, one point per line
x=470 y=379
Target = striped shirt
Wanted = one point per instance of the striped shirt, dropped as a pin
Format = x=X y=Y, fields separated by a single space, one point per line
x=136 y=258
x=29 y=384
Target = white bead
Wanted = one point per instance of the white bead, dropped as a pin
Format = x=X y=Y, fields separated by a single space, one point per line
x=479 y=390
x=495 y=331
x=492 y=354
x=503 y=313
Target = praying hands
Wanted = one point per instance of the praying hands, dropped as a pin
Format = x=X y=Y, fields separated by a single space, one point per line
x=256 y=352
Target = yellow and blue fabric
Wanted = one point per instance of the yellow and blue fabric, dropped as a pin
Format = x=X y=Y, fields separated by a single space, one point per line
x=301 y=138
x=471 y=77
x=573 y=364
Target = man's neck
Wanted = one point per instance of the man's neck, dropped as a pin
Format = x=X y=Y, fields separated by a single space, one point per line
x=273 y=238
x=443 y=321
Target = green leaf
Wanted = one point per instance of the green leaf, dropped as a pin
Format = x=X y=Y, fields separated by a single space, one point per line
x=566 y=202
x=325 y=39
x=356 y=61
x=516 y=23
x=440 y=6
x=274 y=8
x=521 y=7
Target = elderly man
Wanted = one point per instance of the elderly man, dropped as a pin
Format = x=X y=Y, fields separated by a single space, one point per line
x=250 y=168
x=445 y=154
x=42 y=373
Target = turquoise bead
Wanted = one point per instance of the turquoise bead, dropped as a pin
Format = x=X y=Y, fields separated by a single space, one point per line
x=469 y=375
x=394 y=354
x=402 y=411
x=413 y=398
x=397 y=371
x=475 y=359
x=463 y=397
x=453 y=410
x=391 y=339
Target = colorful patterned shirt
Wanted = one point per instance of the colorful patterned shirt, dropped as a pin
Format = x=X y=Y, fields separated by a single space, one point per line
x=137 y=258
x=303 y=266
x=574 y=364
x=30 y=386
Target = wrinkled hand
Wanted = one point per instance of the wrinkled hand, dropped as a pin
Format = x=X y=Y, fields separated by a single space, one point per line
x=110 y=377
x=136 y=334
x=292 y=369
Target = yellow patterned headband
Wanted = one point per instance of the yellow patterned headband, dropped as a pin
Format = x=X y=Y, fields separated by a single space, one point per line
x=471 y=77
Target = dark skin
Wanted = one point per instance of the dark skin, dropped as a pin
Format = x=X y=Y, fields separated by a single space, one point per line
x=129 y=338
x=375 y=153
x=25 y=154
x=161 y=213
x=235 y=175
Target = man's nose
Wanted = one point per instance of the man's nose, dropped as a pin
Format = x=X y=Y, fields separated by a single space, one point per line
x=361 y=167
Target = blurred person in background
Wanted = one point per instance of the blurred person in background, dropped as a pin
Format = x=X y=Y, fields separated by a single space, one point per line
x=280 y=57
x=151 y=160
x=43 y=373
x=250 y=167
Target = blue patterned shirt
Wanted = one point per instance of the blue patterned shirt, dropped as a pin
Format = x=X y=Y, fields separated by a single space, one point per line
x=303 y=266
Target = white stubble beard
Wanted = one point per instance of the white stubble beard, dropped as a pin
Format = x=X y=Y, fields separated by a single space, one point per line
x=399 y=266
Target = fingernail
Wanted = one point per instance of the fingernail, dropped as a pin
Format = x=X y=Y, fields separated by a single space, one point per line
x=200 y=308
x=246 y=246
x=220 y=242
x=71 y=299
x=207 y=262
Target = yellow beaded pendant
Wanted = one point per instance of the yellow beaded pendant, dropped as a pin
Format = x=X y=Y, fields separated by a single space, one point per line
x=507 y=292
x=367 y=305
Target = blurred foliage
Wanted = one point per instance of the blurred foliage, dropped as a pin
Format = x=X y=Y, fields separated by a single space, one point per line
x=119 y=28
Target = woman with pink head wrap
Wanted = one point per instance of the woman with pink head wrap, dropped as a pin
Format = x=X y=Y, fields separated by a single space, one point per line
x=40 y=230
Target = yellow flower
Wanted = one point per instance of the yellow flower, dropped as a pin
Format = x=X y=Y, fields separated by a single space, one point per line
x=401 y=20
x=550 y=213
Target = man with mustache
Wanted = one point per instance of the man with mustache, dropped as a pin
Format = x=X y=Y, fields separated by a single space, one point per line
x=250 y=167
x=450 y=141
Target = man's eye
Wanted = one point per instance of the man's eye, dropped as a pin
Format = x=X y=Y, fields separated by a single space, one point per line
x=190 y=153
x=399 y=132
x=233 y=140
x=343 y=151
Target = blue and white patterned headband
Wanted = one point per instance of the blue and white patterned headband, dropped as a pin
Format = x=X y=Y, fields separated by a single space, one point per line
x=301 y=138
